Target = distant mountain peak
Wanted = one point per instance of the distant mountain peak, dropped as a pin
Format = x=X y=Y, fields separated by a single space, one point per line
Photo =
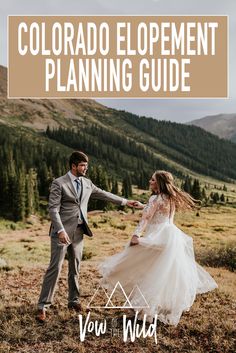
x=222 y=125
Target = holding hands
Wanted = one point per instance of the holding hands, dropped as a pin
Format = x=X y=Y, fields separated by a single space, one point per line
x=134 y=240
x=135 y=204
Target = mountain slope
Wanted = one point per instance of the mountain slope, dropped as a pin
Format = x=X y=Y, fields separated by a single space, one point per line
x=222 y=125
x=119 y=140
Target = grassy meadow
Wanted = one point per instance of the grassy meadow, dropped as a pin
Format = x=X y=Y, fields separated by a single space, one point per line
x=208 y=327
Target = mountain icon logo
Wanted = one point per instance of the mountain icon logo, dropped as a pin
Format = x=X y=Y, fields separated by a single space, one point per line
x=118 y=299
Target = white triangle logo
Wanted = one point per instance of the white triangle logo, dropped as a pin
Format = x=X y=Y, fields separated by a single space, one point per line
x=137 y=294
x=118 y=291
x=118 y=298
x=99 y=293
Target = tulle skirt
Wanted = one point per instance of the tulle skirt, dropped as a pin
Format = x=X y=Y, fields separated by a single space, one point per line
x=159 y=276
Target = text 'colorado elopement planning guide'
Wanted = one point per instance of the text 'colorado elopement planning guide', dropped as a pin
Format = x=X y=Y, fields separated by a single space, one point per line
x=118 y=56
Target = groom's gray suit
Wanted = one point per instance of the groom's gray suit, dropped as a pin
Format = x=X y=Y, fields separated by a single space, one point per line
x=68 y=211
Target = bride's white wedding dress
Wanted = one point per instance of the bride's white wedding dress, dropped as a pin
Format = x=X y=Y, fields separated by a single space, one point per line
x=162 y=265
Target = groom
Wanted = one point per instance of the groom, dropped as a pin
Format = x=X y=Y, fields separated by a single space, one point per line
x=68 y=201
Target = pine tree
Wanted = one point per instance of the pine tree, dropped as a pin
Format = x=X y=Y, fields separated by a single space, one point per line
x=222 y=198
x=127 y=186
x=32 y=194
x=142 y=181
x=18 y=202
x=196 y=190
x=215 y=197
x=44 y=179
x=114 y=186
x=4 y=184
x=204 y=195
x=99 y=178
x=187 y=185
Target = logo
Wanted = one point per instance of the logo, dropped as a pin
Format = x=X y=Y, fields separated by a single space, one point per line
x=118 y=298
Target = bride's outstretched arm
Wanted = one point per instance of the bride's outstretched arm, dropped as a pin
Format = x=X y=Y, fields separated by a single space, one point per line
x=148 y=212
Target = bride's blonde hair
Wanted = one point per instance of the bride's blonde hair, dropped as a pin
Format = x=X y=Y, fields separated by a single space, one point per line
x=182 y=200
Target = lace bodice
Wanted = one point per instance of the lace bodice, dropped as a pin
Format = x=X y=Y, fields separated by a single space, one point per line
x=157 y=210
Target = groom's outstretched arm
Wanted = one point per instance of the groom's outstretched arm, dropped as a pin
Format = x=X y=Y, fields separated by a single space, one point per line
x=100 y=194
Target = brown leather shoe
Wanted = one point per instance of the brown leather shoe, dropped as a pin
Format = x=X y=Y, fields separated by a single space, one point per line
x=75 y=306
x=41 y=316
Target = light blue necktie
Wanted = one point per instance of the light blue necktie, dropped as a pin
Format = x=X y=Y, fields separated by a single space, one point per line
x=77 y=185
x=78 y=189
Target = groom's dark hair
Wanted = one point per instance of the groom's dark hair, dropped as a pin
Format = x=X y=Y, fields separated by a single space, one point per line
x=77 y=157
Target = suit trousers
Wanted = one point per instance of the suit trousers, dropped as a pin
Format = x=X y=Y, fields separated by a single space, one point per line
x=58 y=252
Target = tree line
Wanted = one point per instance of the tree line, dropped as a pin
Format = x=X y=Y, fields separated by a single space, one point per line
x=28 y=167
x=30 y=162
x=192 y=146
x=114 y=151
x=194 y=188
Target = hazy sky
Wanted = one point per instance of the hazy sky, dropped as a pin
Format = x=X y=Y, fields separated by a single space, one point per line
x=180 y=110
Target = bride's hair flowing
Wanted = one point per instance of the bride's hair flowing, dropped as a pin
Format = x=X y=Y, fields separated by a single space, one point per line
x=181 y=200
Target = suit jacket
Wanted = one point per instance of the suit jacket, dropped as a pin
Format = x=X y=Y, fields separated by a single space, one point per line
x=65 y=206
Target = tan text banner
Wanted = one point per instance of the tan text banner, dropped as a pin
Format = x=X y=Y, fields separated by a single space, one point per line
x=117 y=56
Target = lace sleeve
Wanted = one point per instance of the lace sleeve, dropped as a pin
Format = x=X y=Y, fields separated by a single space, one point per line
x=148 y=213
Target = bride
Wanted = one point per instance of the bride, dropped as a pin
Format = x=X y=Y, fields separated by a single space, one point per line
x=161 y=263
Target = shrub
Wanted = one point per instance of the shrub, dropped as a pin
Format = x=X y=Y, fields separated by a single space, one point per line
x=13 y=226
x=95 y=225
x=121 y=226
x=224 y=256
